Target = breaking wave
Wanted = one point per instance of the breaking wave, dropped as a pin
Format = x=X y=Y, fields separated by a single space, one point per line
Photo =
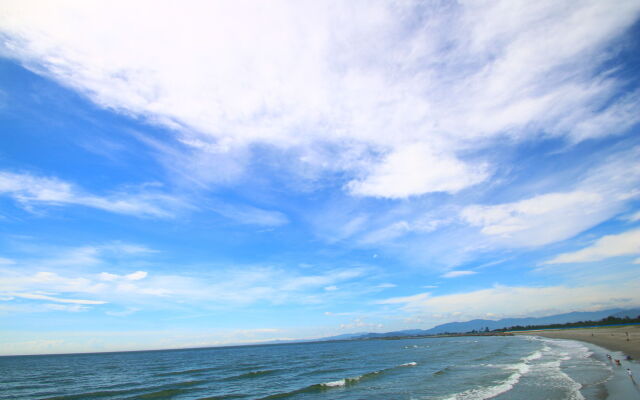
x=344 y=382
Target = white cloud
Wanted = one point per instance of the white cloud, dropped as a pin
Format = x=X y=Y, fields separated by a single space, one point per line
x=634 y=217
x=387 y=233
x=455 y=274
x=599 y=195
x=623 y=244
x=538 y=220
x=386 y=286
x=134 y=276
x=35 y=296
x=366 y=78
x=237 y=286
x=32 y=190
x=512 y=301
x=414 y=170
x=417 y=298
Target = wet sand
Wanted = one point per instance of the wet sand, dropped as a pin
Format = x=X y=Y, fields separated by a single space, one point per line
x=612 y=338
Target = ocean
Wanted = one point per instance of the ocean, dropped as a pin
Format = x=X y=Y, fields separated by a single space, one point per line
x=456 y=368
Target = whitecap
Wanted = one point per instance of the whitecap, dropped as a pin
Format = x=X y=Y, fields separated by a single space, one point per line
x=338 y=383
x=409 y=364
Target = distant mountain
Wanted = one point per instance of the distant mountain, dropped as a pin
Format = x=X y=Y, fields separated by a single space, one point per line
x=482 y=324
x=633 y=313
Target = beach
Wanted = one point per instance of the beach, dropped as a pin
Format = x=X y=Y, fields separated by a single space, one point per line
x=612 y=338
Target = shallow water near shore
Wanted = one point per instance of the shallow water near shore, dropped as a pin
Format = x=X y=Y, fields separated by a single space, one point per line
x=463 y=368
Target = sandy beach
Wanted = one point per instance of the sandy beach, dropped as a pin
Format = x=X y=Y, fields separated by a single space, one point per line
x=612 y=338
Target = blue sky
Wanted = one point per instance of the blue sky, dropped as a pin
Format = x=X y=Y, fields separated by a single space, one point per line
x=241 y=171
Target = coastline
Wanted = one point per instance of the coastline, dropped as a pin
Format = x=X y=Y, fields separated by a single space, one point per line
x=611 y=338
x=607 y=340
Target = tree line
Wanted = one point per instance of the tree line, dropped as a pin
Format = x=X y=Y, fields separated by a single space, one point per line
x=580 y=324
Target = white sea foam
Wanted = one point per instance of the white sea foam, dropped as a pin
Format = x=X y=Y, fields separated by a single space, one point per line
x=533 y=356
x=338 y=383
x=350 y=381
x=546 y=364
x=559 y=351
x=488 y=392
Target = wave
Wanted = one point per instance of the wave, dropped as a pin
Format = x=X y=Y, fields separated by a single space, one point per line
x=409 y=364
x=443 y=370
x=530 y=362
x=533 y=356
x=340 y=383
x=488 y=392
x=251 y=374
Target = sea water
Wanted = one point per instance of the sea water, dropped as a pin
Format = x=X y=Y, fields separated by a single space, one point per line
x=456 y=368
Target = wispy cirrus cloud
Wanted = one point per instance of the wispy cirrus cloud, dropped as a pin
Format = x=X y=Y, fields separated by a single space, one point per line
x=457 y=273
x=515 y=301
x=31 y=191
x=358 y=77
x=609 y=246
x=602 y=192
x=96 y=279
x=250 y=215
x=227 y=286
x=36 y=296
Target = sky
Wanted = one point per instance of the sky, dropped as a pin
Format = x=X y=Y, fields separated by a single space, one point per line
x=208 y=173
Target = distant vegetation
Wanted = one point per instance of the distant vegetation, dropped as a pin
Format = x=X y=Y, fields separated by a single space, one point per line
x=580 y=324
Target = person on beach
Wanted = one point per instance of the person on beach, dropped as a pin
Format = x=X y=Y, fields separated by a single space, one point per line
x=618 y=363
x=630 y=374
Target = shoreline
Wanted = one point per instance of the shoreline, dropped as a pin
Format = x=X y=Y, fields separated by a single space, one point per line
x=610 y=338
x=602 y=341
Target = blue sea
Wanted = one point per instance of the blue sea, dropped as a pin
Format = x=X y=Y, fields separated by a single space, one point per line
x=456 y=368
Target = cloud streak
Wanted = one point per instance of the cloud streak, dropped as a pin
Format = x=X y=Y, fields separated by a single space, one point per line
x=514 y=301
x=623 y=244
x=61 y=281
x=31 y=190
x=602 y=192
x=458 y=273
x=35 y=296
